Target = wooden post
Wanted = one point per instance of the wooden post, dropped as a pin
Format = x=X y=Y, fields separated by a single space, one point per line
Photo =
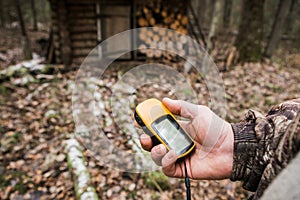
x=132 y=26
x=66 y=54
x=99 y=30
x=55 y=31
x=25 y=40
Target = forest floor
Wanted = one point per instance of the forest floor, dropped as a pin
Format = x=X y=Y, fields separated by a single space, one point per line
x=36 y=120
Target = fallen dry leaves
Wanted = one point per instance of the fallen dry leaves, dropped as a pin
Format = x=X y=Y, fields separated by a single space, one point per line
x=36 y=119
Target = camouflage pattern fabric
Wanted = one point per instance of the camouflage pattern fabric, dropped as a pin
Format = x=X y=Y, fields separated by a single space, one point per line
x=264 y=145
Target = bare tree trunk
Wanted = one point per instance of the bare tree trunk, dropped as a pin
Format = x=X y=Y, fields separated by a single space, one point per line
x=25 y=40
x=235 y=15
x=209 y=7
x=249 y=39
x=43 y=12
x=216 y=23
x=33 y=8
x=202 y=8
x=290 y=19
x=281 y=14
x=2 y=17
x=227 y=11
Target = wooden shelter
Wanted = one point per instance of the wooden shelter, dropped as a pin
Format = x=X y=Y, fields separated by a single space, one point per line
x=78 y=26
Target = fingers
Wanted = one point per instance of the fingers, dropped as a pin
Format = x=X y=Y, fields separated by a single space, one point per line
x=157 y=153
x=182 y=108
x=146 y=142
x=168 y=163
x=162 y=157
x=165 y=159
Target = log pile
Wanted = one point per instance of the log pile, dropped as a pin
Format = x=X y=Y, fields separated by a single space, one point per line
x=162 y=14
x=78 y=26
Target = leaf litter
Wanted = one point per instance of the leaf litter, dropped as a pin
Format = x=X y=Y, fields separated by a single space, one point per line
x=36 y=121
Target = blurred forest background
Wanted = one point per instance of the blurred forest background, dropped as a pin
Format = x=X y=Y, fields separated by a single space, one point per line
x=255 y=44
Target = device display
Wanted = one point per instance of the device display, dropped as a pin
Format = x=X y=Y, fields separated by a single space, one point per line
x=172 y=134
x=156 y=120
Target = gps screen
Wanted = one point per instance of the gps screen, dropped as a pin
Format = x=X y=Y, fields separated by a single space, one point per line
x=172 y=134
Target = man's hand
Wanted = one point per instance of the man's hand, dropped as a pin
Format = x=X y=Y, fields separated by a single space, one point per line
x=213 y=154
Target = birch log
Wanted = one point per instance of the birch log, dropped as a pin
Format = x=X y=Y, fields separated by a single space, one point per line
x=82 y=180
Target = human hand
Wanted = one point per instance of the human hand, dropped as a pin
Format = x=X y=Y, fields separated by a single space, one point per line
x=213 y=154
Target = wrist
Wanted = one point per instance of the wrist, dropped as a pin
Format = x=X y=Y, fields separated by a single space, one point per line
x=229 y=143
x=248 y=151
x=244 y=149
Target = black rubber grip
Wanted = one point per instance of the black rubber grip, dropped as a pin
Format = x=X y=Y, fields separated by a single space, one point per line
x=140 y=122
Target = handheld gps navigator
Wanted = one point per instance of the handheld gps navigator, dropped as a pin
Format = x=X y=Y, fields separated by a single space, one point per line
x=156 y=120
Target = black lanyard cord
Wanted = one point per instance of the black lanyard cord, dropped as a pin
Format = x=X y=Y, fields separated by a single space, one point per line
x=187 y=183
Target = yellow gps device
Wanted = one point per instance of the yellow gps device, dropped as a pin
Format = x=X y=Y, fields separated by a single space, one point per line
x=156 y=120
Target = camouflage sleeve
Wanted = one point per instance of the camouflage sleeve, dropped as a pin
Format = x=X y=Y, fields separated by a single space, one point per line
x=264 y=145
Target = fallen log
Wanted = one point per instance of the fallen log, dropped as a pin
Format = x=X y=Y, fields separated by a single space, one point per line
x=82 y=180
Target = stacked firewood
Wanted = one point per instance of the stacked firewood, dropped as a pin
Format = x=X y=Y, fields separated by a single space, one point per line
x=162 y=15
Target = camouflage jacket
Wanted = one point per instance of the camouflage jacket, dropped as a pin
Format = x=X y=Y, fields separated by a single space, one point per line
x=264 y=145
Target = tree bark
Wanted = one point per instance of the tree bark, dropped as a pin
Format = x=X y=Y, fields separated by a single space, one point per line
x=43 y=9
x=235 y=15
x=80 y=173
x=201 y=7
x=227 y=11
x=2 y=17
x=249 y=39
x=34 y=16
x=281 y=14
x=293 y=14
x=216 y=23
x=25 y=39
x=209 y=7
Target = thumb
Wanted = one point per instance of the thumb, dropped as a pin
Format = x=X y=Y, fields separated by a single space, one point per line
x=182 y=108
